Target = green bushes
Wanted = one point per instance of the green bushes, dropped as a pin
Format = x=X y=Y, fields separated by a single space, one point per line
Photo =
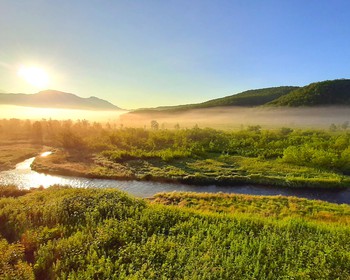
x=165 y=154
x=105 y=234
x=325 y=156
x=320 y=158
x=12 y=264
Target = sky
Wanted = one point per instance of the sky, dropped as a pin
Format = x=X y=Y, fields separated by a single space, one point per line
x=139 y=54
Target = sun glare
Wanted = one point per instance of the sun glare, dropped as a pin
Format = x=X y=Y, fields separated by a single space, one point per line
x=35 y=76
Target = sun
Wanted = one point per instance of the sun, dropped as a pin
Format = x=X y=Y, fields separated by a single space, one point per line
x=35 y=76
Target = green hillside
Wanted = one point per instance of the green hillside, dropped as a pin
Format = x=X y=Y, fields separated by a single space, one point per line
x=250 y=98
x=64 y=233
x=326 y=93
x=336 y=92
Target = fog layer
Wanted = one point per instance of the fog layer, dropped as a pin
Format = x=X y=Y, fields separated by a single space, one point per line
x=223 y=117
x=236 y=117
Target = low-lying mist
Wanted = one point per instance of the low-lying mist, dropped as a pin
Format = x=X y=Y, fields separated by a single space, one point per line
x=18 y=112
x=221 y=118
x=236 y=117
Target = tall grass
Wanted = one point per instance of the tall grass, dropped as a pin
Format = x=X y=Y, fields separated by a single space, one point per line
x=64 y=233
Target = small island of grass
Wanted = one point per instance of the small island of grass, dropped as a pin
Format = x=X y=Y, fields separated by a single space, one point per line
x=278 y=157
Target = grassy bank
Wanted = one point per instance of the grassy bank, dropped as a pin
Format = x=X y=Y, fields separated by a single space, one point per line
x=12 y=153
x=63 y=233
x=212 y=168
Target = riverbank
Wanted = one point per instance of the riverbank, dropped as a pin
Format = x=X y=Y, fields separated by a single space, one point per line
x=214 y=169
x=12 y=153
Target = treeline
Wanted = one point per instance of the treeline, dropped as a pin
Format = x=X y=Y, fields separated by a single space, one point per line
x=64 y=233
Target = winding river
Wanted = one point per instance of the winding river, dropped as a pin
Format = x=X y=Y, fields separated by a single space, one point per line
x=24 y=177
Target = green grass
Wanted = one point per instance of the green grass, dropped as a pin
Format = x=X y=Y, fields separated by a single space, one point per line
x=276 y=172
x=63 y=233
x=270 y=207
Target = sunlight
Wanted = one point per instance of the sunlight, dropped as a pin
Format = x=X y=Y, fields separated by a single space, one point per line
x=35 y=76
x=45 y=154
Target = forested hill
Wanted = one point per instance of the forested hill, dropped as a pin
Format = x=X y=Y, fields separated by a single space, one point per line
x=326 y=93
x=336 y=92
x=249 y=98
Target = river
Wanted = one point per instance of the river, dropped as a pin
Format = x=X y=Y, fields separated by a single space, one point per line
x=24 y=177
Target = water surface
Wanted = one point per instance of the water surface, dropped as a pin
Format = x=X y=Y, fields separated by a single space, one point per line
x=24 y=177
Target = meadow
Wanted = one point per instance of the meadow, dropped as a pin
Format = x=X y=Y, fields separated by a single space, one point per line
x=64 y=233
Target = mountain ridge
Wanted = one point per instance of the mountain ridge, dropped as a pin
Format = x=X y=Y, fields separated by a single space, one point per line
x=56 y=99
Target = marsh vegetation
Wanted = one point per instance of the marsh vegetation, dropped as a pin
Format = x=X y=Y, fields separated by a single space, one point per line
x=282 y=157
x=64 y=233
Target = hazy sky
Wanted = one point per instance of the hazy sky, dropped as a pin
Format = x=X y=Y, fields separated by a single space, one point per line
x=151 y=53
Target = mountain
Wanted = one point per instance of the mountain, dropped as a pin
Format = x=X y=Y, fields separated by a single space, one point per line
x=335 y=92
x=249 y=98
x=56 y=99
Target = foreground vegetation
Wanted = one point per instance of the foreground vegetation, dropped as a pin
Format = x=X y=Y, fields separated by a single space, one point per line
x=63 y=233
x=282 y=157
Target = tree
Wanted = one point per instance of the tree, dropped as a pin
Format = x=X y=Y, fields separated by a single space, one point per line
x=254 y=128
x=69 y=140
x=332 y=127
x=37 y=133
x=345 y=125
x=154 y=125
x=286 y=130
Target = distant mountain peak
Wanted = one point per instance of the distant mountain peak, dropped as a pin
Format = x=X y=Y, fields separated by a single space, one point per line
x=57 y=99
x=95 y=98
